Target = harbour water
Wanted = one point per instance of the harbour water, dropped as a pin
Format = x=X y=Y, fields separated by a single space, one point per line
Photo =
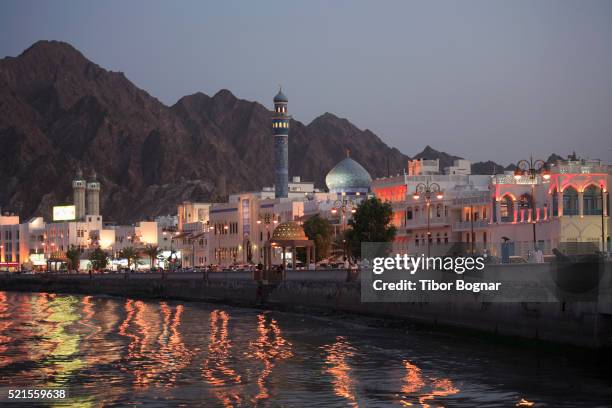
x=109 y=351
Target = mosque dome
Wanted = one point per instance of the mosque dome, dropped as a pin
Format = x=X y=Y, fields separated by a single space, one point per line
x=280 y=97
x=289 y=231
x=348 y=176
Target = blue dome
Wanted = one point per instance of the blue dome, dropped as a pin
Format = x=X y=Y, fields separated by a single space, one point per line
x=280 y=97
x=348 y=176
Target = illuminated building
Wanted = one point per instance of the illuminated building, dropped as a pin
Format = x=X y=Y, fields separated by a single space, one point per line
x=484 y=212
x=348 y=178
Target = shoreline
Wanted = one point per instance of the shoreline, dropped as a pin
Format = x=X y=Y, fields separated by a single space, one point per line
x=368 y=319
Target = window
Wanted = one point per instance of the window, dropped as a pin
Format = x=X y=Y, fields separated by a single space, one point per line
x=409 y=213
x=555 y=203
x=570 y=201
x=592 y=204
x=506 y=209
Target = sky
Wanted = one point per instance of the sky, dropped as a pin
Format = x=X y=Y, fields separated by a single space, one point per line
x=499 y=80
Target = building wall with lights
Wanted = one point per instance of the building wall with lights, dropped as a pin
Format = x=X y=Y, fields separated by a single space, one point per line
x=566 y=205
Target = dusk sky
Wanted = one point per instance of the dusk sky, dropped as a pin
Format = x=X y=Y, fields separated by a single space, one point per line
x=480 y=79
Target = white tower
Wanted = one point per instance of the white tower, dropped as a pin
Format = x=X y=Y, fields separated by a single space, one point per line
x=93 y=196
x=78 y=191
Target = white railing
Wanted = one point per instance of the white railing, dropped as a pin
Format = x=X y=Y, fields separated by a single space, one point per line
x=420 y=222
x=467 y=225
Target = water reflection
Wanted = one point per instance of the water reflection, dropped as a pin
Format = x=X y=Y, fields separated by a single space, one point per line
x=216 y=369
x=441 y=387
x=414 y=382
x=338 y=367
x=118 y=352
x=269 y=348
x=173 y=355
x=5 y=323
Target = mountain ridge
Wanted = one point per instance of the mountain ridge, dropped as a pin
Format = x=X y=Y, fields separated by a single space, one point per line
x=59 y=111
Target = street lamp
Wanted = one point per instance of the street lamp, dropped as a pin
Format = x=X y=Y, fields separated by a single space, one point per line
x=602 y=189
x=531 y=168
x=344 y=205
x=428 y=190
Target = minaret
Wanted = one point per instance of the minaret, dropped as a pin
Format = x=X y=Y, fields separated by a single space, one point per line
x=280 y=127
x=93 y=196
x=78 y=191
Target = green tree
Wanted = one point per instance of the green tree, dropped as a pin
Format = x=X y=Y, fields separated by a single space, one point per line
x=73 y=254
x=130 y=254
x=319 y=230
x=152 y=251
x=370 y=223
x=98 y=259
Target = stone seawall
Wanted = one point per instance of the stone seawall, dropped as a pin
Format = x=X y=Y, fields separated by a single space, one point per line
x=580 y=323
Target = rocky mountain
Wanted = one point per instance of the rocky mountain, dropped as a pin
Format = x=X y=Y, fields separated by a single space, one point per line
x=60 y=111
x=430 y=153
x=446 y=160
x=487 y=167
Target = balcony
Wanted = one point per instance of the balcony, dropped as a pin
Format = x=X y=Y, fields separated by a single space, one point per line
x=468 y=225
x=422 y=222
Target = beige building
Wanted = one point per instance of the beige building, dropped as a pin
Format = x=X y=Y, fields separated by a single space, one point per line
x=190 y=212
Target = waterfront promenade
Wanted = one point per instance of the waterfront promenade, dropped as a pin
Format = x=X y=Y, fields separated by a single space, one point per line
x=585 y=323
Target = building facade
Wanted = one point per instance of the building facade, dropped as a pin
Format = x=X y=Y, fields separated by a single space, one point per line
x=519 y=214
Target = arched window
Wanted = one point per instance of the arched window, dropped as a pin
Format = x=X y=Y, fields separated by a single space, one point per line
x=570 y=201
x=439 y=210
x=506 y=209
x=555 y=203
x=591 y=200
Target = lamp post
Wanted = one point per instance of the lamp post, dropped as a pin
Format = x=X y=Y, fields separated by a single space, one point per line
x=343 y=205
x=428 y=190
x=531 y=168
x=170 y=260
x=602 y=190
x=472 y=229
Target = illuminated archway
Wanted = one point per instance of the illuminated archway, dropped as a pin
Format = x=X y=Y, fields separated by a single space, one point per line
x=570 y=201
x=591 y=200
x=506 y=209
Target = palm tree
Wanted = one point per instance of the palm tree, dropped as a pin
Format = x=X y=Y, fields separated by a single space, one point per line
x=74 y=258
x=130 y=254
x=98 y=259
x=151 y=251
